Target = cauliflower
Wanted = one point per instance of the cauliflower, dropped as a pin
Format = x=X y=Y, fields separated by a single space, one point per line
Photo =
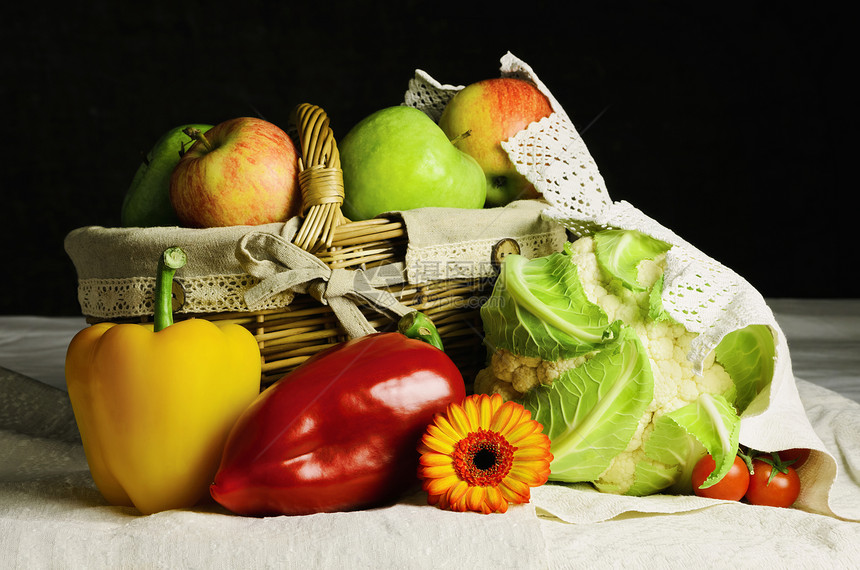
x=580 y=339
x=512 y=375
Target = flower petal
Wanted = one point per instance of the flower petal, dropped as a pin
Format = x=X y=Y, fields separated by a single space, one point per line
x=456 y=493
x=459 y=420
x=475 y=498
x=515 y=491
x=513 y=412
x=521 y=431
x=496 y=402
x=496 y=502
x=485 y=411
x=443 y=424
x=440 y=486
x=436 y=471
x=536 y=465
x=437 y=444
x=501 y=418
x=536 y=439
x=472 y=411
x=431 y=458
x=433 y=500
x=527 y=475
x=532 y=453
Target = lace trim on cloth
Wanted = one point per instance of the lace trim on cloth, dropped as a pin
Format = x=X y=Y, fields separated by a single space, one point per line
x=699 y=292
x=116 y=275
x=703 y=295
x=550 y=152
x=429 y=95
x=133 y=296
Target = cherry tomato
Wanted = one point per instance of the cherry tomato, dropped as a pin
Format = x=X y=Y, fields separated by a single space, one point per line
x=779 y=490
x=732 y=487
x=799 y=455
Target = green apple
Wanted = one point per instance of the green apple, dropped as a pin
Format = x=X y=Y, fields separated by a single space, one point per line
x=399 y=159
x=147 y=201
x=492 y=111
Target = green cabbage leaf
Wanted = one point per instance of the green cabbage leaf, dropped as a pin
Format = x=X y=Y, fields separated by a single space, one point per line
x=749 y=356
x=680 y=438
x=538 y=308
x=619 y=253
x=656 y=312
x=591 y=412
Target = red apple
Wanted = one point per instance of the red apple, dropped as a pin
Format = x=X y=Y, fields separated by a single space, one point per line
x=243 y=171
x=491 y=111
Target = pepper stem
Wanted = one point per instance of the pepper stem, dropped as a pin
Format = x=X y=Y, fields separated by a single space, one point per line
x=419 y=326
x=172 y=259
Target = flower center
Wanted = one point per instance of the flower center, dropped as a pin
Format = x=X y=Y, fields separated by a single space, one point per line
x=483 y=458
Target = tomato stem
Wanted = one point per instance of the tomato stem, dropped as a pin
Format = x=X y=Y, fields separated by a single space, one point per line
x=747 y=458
x=171 y=259
x=419 y=326
x=777 y=465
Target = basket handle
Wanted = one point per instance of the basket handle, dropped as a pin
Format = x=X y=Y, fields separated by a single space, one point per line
x=320 y=178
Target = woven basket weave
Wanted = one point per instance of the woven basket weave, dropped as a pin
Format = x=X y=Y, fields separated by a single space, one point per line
x=290 y=334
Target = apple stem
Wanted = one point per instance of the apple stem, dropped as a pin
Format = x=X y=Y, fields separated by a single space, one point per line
x=198 y=135
x=461 y=136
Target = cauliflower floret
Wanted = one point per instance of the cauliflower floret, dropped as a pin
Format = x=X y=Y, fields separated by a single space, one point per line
x=519 y=371
x=618 y=302
x=650 y=270
x=621 y=472
x=486 y=382
x=675 y=382
x=512 y=375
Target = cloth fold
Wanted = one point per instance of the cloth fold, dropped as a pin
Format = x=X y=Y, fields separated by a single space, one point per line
x=116 y=266
x=698 y=292
x=51 y=513
x=454 y=243
x=282 y=266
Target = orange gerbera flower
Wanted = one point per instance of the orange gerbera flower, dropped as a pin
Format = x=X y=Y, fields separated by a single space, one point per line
x=482 y=455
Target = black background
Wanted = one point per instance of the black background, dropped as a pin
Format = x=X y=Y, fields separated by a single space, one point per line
x=731 y=125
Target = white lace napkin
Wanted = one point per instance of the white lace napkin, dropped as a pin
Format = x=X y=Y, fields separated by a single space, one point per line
x=703 y=295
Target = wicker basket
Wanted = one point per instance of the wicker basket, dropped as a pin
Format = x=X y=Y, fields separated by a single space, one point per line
x=290 y=334
x=293 y=333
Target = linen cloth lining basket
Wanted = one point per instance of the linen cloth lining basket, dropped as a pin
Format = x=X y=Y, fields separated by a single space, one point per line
x=347 y=278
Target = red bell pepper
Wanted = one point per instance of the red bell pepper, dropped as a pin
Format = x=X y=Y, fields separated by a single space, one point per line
x=338 y=433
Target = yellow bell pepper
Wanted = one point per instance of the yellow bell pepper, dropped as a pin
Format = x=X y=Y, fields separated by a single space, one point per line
x=154 y=403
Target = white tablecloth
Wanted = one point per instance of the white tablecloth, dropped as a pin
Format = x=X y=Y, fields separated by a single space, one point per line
x=52 y=516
